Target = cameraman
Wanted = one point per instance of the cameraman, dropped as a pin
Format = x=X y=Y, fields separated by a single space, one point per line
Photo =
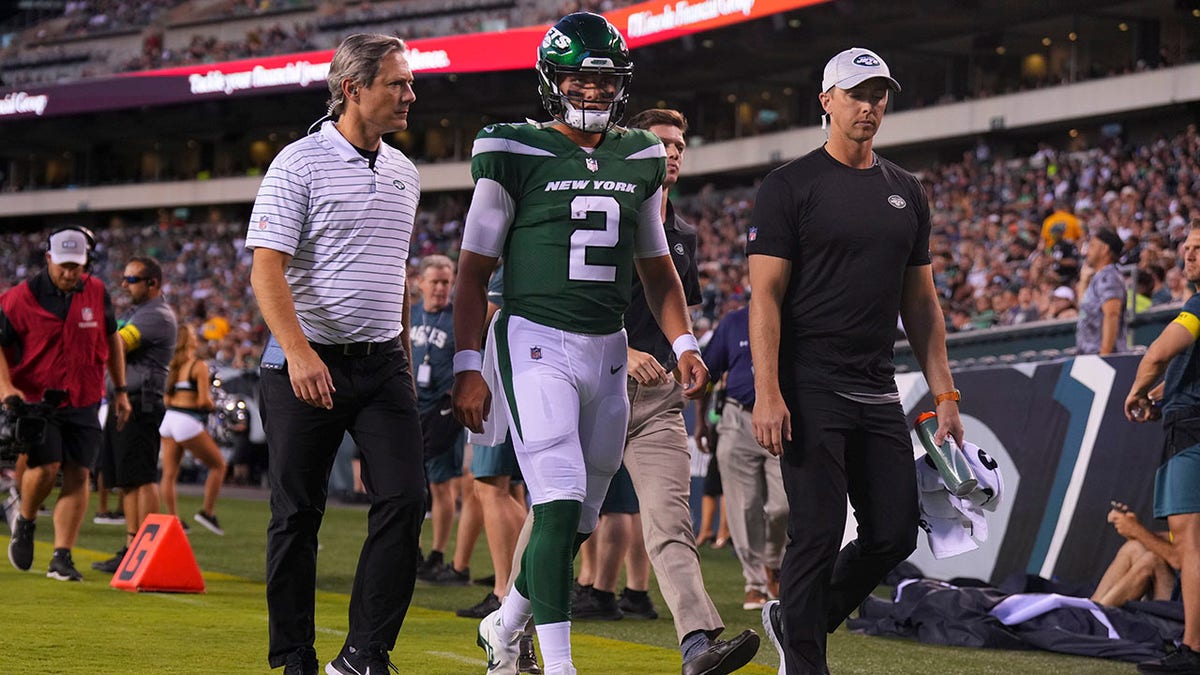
x=57 y=331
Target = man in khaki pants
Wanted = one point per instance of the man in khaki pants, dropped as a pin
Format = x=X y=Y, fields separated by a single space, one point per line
x=656 y=448
x=752 y=481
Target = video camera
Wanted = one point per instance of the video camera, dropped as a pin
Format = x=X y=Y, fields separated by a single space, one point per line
x=23 y=425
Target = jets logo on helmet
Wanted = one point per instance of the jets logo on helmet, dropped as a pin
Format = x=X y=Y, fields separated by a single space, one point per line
x=584 y=45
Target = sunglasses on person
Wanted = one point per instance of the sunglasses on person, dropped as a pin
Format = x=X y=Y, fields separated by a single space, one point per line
x=135 y=280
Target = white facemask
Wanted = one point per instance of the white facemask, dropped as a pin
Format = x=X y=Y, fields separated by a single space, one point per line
x=592 y=121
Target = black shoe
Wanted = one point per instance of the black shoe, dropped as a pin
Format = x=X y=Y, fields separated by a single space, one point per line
x=112 y=564
x=62 y=568
x=527 y=658
x=448 y=576
x=20 y=549
x=428 y=568
x=636 y=605
x=489 y=604
x=302 y=662
x=208 y=520
x=488 y=581
x=578 y=591
x=722 y=656
x=1182 y=660
x=772 y=620
x=596 y=605
x=369 y=661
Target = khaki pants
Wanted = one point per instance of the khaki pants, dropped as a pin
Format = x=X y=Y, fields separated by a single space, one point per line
x=657 y=457
x=755 y=501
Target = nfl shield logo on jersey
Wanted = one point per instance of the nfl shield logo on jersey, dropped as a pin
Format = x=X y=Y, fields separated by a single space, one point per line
x=591 y=164
x=535 y=353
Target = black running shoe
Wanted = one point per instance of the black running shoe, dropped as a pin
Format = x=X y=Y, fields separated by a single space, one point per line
x=636 y=605
x=448 y=576
x=489 y=604
x=20 y=549
x=111 y=565
x=596 y=605
x=209 y=520
x=370 y=661
x=302 y=662
x=527 y=658
x=1182 y=660
x=62 y=568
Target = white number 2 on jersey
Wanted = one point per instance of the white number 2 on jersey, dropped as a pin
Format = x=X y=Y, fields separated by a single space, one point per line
x=581 y=240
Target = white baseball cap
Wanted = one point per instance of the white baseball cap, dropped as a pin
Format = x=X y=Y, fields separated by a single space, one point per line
x=853 y=67
x=68 y=246
x=1064 y=293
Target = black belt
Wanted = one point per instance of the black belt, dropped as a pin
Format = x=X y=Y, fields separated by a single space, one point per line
x=738 y=404
x=355 y=349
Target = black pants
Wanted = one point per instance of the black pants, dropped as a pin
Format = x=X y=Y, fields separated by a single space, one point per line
x=376 y=403
x=841 y=448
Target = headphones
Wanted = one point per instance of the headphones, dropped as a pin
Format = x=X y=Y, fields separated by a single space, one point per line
x=87 y=236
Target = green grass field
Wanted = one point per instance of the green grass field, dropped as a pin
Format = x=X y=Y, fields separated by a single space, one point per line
x=55 y=627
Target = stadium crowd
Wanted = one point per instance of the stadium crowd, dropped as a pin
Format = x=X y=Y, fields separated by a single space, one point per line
x=1006 y=244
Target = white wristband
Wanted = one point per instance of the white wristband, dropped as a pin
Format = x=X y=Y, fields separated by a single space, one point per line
x=467 y=359
x=685 y=343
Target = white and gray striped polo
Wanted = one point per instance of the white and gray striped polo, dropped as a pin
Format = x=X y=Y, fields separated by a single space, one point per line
x=347 y=228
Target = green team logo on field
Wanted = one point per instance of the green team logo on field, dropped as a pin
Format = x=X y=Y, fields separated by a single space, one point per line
x=569 y=253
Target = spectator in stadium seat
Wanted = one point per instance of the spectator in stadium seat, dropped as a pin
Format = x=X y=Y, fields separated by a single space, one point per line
x=1100 y=327
x=1062 y=304
x=1175 y=354
x=825 y=391
x=61 y=322
x=339 y=357
x=130 y=453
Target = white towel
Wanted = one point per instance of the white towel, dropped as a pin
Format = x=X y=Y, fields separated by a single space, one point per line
x=495 y=426
x=952 y=524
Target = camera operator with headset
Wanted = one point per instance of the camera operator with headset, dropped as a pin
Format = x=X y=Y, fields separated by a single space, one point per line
x=58 y=331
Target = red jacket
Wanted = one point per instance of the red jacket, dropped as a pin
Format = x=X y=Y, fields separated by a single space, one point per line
x=58 y=354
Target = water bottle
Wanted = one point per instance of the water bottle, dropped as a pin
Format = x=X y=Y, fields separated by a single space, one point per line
x=947 y=457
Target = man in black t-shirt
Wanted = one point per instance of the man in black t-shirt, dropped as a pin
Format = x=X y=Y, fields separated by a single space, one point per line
x=838 y=246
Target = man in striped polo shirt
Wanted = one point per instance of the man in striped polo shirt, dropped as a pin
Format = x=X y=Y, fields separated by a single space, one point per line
x=334 y=209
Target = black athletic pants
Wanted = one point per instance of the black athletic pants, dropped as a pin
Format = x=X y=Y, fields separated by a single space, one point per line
x=375 y=402
x=840 y=447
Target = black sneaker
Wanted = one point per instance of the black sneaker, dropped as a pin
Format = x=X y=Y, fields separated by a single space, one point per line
x=1182 y=660
x=772 y=621
x=20 y=549
x=370 y=661
x=489 y=604
x=527 y=658
x=637 y=605
x=62 y=568
x=429 y=567
x=209 y=520
x=112 y=564
x=488 y=581
x=302 y=662
x=596 y=605
x=448 y=576
x=109 y=518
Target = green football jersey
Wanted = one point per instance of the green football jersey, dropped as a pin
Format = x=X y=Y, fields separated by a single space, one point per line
x=568 y=258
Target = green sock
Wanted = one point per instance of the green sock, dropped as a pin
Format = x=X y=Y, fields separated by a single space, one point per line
x=546 y=568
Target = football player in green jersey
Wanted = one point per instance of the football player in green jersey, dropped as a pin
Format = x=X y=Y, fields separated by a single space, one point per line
x=573 y=206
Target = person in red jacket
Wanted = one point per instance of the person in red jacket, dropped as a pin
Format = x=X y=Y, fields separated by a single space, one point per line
x=58 y=331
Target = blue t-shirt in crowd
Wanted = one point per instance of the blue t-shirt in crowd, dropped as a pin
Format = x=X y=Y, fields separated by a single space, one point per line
x=433 y=344
x=729 y=351
x=1182 y=388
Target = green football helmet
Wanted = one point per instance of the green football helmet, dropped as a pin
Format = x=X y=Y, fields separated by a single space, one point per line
x=583 y=43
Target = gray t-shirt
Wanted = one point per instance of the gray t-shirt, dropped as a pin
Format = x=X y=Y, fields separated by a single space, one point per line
x=1107 y=284
x=150 y=331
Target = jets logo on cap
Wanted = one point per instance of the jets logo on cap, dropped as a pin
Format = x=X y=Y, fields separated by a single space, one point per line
x=866 y=60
